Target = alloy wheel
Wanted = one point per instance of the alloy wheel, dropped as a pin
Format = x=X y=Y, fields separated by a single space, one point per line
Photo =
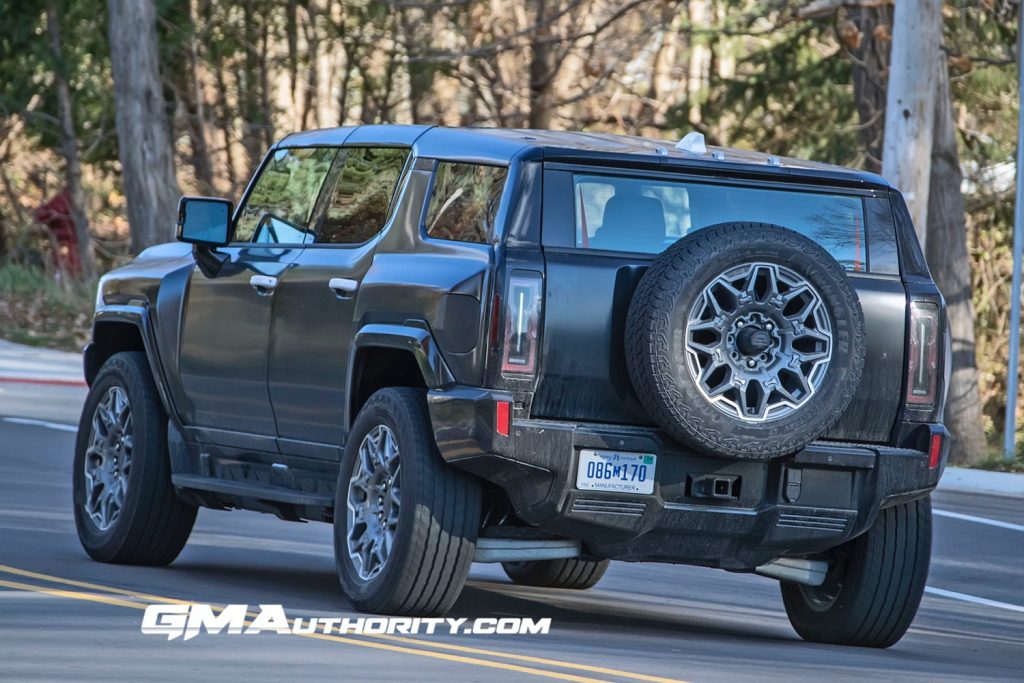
x=758 y=341
x=108 y=458
x=374 y=502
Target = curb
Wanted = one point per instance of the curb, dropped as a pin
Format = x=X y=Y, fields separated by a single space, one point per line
x=21 y=364
x=964 y=480
x=44 y=381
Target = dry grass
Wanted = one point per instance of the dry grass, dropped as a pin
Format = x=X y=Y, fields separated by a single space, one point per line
x=37 y=309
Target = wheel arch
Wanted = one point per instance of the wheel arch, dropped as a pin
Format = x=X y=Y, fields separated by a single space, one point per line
x=394 y=356
x=124 y=329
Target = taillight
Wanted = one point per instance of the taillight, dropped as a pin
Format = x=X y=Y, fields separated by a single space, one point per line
x=923 y=363
x=522 y=325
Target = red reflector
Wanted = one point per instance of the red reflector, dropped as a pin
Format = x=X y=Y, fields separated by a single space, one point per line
x=502 y=417
x=934 y=451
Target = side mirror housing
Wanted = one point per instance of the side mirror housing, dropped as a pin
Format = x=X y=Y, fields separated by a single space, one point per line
x=204 y=221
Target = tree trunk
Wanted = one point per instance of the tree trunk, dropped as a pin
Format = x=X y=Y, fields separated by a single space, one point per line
x=143 y=133
x=871 y=61
x=950 y=266
x=699 y=68
x=247 y=77
x=421 y=73
x=291 y=31
x=69 y=147
x=267 y=111
x=226 y=125
x=910 y=104
x=542 y=69
x=312 y=85
x=194 y=102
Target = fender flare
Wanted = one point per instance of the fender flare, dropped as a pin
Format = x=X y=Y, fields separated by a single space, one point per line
x=413 y=336
x=138 y=317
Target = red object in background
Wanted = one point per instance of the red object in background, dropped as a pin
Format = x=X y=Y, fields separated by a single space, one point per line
x=56 y=216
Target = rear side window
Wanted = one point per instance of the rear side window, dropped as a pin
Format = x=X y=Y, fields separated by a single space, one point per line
x=280 y=205
x=464 y=201
x=647 y=215
x=361 y=200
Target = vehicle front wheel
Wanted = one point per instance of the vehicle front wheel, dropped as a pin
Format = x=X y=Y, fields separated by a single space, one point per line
x=874 y=584
x=570 y=573
x=126 y=510
x=405 y=523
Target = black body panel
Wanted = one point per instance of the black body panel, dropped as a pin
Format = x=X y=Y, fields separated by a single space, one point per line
x=588 y=296
x=800 y=504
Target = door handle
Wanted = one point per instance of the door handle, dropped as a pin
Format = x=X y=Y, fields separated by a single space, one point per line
x=263 y=284
x=343 y=288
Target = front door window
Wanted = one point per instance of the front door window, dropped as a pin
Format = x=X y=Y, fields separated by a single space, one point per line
x=279 y=209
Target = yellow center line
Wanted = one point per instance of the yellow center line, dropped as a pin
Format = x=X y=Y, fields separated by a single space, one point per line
x=5 y=569
x=73 y=595
x=349 y=640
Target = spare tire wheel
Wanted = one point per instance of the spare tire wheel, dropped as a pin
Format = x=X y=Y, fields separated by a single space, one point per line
x=745 y=340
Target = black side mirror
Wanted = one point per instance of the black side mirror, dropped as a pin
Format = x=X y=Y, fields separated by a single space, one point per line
x=204 y=221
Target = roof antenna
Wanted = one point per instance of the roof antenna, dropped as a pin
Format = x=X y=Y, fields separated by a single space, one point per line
x=693 y=143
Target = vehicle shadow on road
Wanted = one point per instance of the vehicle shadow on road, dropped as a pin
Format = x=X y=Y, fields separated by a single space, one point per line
x=316 y=589
x=598 y=610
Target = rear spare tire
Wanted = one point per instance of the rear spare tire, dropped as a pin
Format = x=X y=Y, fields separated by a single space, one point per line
x=745 y=340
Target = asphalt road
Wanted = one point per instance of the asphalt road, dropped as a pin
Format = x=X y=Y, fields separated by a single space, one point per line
x=63 y=616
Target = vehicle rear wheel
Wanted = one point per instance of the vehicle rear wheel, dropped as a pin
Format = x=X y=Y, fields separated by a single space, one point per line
x=874 y=585
x=126 y=509
x=405 y=523
x=570 y=573
x=745 y=340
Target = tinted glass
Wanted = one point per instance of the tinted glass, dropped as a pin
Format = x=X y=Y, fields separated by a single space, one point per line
x=361 y=200
x=647 y=215
x=464 y=201
x=281 y=203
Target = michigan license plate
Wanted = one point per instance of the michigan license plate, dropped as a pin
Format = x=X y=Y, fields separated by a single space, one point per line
x=615 y=471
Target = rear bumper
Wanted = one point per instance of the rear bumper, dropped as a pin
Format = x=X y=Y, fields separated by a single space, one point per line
x=799 y=504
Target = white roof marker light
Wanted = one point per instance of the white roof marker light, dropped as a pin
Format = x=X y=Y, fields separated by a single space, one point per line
x=692 y=143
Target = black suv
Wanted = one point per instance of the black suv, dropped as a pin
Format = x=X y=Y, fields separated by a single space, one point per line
x=548 y=350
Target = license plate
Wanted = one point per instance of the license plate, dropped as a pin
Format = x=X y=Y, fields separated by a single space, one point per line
x=615 y=471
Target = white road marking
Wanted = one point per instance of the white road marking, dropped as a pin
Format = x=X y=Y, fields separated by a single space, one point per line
x=953 y=595
x=41 y=423
x=979 y=520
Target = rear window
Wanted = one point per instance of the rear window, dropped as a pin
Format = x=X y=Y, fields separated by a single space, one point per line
x=646 y=215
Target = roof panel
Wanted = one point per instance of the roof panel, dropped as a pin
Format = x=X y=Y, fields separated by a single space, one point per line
x=500 y=145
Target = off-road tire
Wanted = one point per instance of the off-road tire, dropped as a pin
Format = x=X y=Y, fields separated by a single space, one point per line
x=572 y=573
x=439 y=516
x=655 y=329
x=154 y=524
x=879 y=576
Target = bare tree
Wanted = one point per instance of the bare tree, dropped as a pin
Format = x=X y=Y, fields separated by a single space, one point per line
x=910 y=103
x=950 y=265
x=143 y=131
x=69 y=146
